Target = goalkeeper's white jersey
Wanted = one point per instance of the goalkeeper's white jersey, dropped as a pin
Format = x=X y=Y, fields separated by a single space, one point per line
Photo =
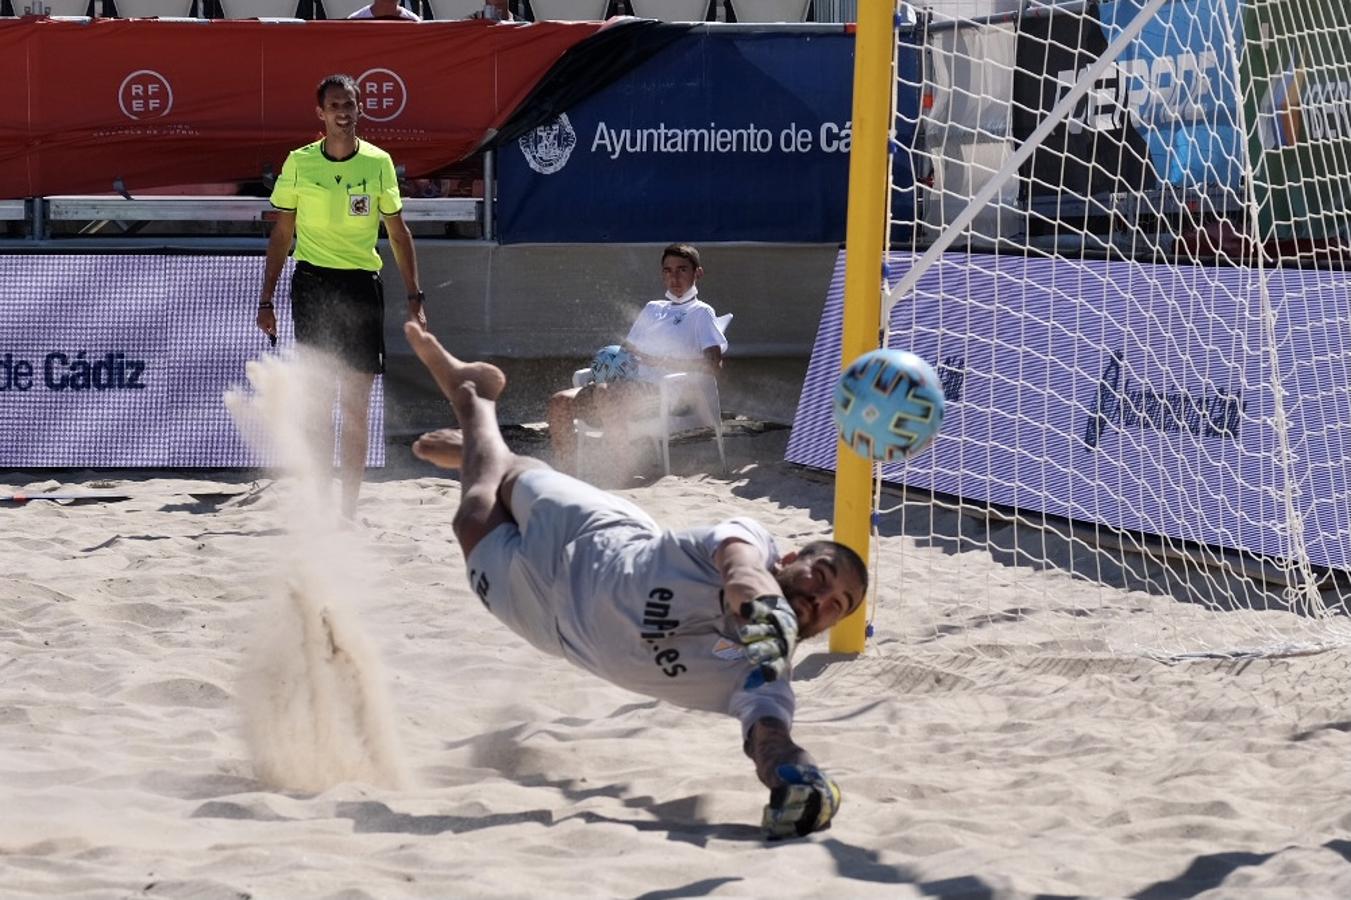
x=590 y=577
x=644 y=611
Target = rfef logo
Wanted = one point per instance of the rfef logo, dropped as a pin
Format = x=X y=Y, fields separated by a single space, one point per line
x=145 y=94
x=383 y=94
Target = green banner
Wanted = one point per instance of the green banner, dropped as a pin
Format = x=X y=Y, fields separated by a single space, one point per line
x=1297 y=62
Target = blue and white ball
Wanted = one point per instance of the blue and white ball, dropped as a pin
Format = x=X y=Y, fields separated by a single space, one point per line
x=888 y=405
x=613 y=363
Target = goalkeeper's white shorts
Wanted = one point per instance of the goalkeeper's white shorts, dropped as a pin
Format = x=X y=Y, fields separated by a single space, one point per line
x=523 y=571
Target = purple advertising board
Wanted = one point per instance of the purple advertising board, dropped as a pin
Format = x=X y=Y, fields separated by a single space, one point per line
x=1133 y=395
x=124 y=360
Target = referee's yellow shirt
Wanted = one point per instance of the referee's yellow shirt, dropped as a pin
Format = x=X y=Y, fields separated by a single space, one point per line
x=338 y=204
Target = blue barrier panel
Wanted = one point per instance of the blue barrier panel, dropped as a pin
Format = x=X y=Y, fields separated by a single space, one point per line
x=732 y=136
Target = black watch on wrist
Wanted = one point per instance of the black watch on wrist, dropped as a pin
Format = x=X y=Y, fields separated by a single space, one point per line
x=420 y=296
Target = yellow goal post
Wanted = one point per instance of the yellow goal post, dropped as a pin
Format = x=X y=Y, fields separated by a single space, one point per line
x=874 y=82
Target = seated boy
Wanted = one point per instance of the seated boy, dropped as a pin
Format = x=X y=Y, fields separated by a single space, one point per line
x=676 y=334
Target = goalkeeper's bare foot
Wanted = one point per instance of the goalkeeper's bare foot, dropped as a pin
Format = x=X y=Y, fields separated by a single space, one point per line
x=444 y=448
x=450 y=373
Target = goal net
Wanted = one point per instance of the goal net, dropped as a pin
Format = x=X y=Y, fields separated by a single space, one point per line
x=1120 y=233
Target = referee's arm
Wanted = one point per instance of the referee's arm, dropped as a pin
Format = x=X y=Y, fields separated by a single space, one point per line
x=278 y=248
x=401 y=242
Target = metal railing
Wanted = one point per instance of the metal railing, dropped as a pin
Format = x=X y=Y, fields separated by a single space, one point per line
x=40 y=212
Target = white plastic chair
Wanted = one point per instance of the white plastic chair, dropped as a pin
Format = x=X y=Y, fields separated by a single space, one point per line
x=450 y=10
x=259 y=9
x=686 y=400
x=670 y=10
x=52 y=7
x=149 y=9
x=771 y=10
x=341 y=9
x=569 y=10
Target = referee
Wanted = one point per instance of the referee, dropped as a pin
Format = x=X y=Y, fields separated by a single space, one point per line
x=330 y=198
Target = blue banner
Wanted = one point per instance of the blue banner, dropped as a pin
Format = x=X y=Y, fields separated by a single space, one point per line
x=719 y=137
x=1178 y=80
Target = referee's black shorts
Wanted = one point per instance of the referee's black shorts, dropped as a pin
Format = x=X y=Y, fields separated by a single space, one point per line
x=341 y=311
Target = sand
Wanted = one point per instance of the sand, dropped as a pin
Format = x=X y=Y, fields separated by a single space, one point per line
x=149 y=707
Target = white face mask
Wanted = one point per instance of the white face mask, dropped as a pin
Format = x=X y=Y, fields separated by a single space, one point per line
x=685 y=297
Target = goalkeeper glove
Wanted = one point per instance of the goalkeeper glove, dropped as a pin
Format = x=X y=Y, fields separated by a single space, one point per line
x=805 y=802
x=769 y=635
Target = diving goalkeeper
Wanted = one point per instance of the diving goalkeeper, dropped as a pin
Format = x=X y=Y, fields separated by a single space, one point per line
x=705 y=618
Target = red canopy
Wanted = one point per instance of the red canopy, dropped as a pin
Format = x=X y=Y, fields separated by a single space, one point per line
x=163 y=103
